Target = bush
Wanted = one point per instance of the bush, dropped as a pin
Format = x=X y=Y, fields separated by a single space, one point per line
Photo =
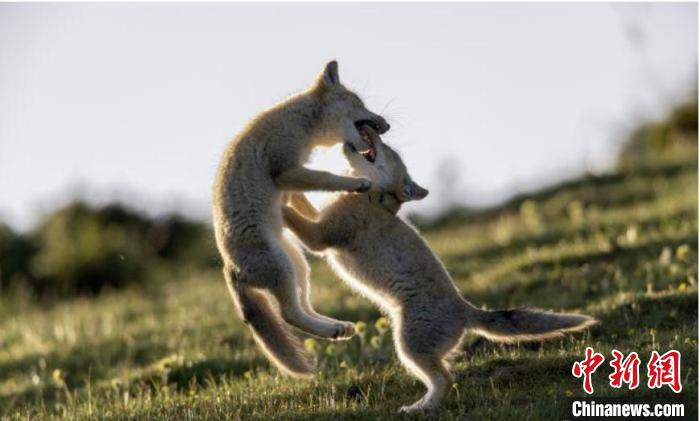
x=16 y=252
x=658 y=141
x=80 y=249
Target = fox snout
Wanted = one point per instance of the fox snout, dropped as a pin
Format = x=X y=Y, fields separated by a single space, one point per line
x=377 y=122
x=380 y=124
x=412 y=191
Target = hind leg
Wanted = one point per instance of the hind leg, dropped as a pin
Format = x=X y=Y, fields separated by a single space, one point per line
x=287 y=295
x=433 y=373
x=268 y=267
x=301 y=274
x=422 y=346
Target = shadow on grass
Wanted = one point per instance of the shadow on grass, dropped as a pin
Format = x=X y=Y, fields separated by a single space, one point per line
x=199 y=373
x=79 y=366
x=552 y=237
x=86 y=360
x=629 y=256
x=662 y=310
x=542 y=283
x=460 y=216
x=97 y=364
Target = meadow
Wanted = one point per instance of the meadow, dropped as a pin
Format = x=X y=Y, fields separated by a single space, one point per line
x=620 y=246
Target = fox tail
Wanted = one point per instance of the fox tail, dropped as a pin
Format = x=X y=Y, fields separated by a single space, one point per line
x=525 y=324
x=269 y=330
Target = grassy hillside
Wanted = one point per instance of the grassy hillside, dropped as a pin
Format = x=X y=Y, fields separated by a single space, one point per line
x=622 y=247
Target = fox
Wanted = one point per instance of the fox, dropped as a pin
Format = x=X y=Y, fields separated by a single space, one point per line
x=385 y=259
x=261 y=267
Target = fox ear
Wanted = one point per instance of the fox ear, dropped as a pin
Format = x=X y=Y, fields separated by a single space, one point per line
x=412 y=191
x=330 y=77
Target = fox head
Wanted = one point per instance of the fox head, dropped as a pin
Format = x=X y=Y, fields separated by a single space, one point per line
x=383 y=166
x=342 y=112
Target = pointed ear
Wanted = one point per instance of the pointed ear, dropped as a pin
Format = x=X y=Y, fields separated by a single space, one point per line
x=329 y=76
x=412 y=191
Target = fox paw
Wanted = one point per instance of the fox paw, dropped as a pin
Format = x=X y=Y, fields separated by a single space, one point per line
x=365 y=185
x=345 y=330
x=410 y=409
x=420 y=405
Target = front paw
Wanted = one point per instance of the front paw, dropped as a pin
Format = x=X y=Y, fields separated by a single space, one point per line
x=344 y=330
x=363 y=185
x=416 y=407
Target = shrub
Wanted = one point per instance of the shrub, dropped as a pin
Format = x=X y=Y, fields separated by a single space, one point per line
x=82 y=249
x=16 y=252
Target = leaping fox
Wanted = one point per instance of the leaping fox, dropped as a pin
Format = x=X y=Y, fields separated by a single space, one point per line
x=384 y=258
x=263 y=160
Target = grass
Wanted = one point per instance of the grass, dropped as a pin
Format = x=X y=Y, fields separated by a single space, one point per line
x=621 y=247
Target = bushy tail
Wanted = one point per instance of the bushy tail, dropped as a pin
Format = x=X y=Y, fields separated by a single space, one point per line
x=525 y=324
x=270 y=331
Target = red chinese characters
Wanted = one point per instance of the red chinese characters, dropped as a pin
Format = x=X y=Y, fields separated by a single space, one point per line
x=665 y=370
x=626 y=370
x=587 y=367
x=662 y=370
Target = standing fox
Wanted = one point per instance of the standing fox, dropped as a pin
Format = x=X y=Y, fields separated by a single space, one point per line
x=385 y=259
x=265 y=158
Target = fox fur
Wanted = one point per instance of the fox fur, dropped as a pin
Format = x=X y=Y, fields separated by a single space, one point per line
x=386 y=259
x=265 y=273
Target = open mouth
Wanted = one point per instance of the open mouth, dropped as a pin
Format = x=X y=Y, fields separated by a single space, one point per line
x=367 y=130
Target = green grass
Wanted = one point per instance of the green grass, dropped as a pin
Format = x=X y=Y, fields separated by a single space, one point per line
x=622 y=247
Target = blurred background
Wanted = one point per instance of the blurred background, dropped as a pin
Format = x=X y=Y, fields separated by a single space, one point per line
x=113 y=117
